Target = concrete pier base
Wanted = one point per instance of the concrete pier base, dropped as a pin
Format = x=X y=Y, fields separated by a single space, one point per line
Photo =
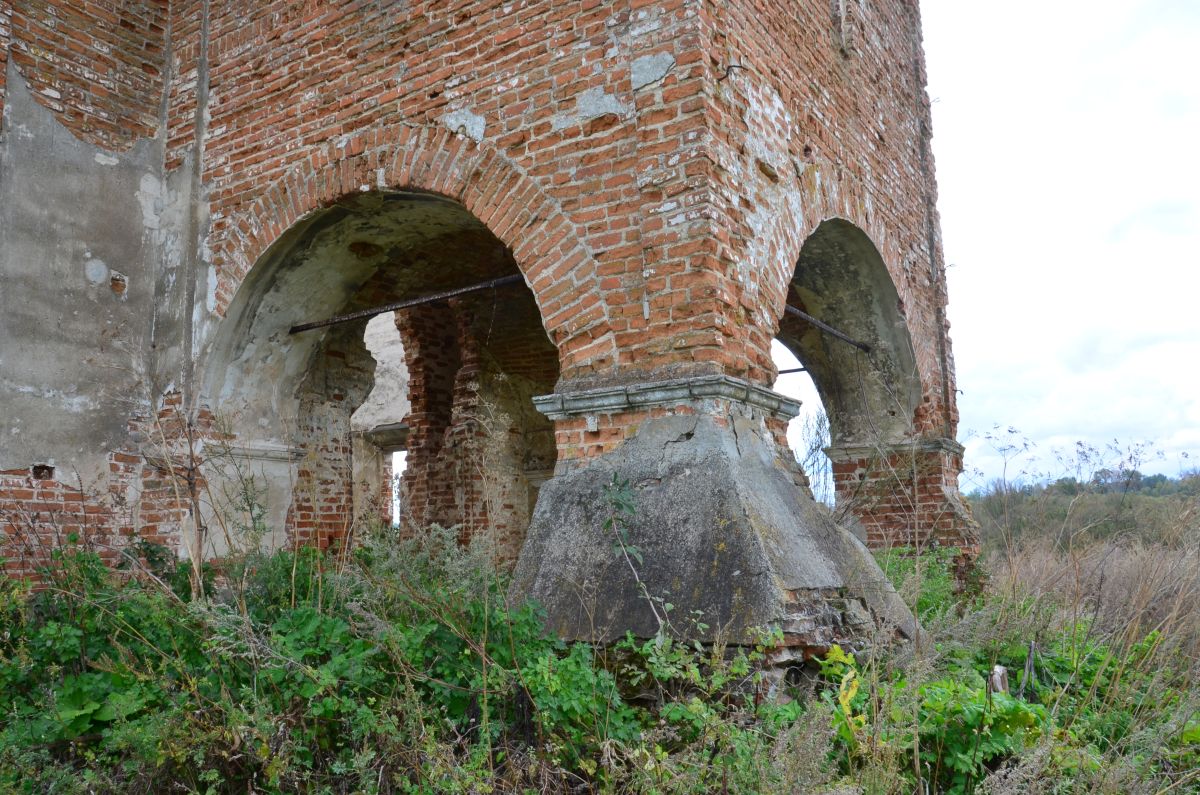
x=728 y=535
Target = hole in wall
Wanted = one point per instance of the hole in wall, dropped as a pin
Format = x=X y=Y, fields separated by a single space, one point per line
x=767 y=170
x=808 y=433
x=43 y=472
x=364 y=249
x=380 y=417
x=399 y=464
x=802 y=677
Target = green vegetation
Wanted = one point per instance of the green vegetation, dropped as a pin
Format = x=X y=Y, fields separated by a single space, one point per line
x=398 y=670
x=1110 y=504
x=401 y=668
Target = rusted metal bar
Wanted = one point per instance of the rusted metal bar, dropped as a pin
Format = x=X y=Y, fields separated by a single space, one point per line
x=793 y=370
x=425 y=299
x=828 y=329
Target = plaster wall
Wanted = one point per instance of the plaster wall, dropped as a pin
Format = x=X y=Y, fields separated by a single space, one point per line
x=79 y=253
x=388 y=402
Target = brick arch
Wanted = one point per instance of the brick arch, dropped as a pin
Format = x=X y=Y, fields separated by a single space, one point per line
x=547 y=246
x=827 y=194
x=894 y=471
x=841 y=278
x=823 y=196
x=822 y=191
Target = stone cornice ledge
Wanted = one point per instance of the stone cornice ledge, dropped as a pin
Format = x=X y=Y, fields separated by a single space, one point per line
x=259 y=451
x=675 y=391
x=859 y=452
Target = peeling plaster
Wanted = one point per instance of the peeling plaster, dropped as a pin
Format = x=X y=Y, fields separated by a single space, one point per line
x=210 y=294
x=150 y=198
x=767 y=154
x=466 y=123
x=73 y=324
x=591 y=104
x=96 y=271
x=70 y=401
x=650 y=69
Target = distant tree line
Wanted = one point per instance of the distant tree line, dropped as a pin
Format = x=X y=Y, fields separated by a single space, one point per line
x=1111 y=504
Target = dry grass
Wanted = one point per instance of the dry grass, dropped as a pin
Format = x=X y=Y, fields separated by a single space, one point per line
x=1126 y=588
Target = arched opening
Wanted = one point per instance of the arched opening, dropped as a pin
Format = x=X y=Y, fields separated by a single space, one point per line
x=840 y=279
x=844 y=324
x=380 y=427
x=287 y=403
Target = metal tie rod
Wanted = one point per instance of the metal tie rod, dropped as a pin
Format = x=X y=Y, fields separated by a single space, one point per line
x=828 y=329
x=425 y=299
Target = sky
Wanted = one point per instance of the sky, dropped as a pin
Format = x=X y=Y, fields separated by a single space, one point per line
x=1067 y=145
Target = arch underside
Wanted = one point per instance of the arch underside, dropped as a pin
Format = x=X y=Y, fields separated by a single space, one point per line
x=895 y=479
x=870 y=396
x=286 y=400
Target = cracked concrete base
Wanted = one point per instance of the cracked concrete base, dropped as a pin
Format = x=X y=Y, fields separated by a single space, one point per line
x=724 y=532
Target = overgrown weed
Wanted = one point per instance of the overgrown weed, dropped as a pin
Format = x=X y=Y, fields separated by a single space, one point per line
x=401 y=667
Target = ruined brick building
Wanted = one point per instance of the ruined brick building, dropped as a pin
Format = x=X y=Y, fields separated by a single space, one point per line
x=673 y=183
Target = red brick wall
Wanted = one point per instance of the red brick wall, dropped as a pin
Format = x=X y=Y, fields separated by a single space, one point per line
x=165 y=470
x=433 y=355
x=186 y=19
x=146 y=495
x=40 y=514
x=811 y=132
x=906 y=498
x=692 y=197
x=474 y=438
x=657 y=222
x=387 y=493
x=5 y=38
x=343 y=80
x=322 y=508
x=98 y=64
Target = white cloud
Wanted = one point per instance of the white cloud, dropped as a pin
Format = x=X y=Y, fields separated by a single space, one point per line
x=1068 y=157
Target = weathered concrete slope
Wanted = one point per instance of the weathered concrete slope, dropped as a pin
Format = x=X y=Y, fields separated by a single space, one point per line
x=723 y=529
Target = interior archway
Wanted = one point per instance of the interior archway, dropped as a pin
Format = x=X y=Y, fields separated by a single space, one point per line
x=476 y=448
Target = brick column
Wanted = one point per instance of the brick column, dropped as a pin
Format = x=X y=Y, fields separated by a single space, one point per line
x=433 y=354
x=905 y=494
